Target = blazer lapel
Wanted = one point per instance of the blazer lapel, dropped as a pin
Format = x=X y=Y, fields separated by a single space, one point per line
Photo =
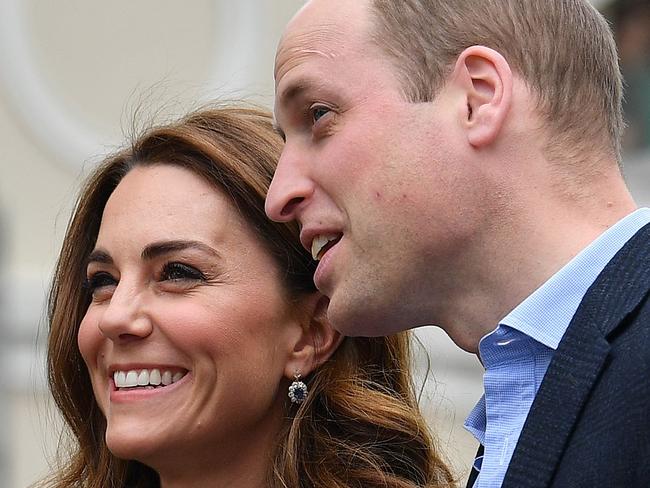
x=567 y=383
x=577 y=363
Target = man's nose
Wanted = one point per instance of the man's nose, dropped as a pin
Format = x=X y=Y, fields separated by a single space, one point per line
x=125 y=318
x=290 y=189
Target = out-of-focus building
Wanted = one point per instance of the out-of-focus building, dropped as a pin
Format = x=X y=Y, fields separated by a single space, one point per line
x=72 y=74
x=631 y=22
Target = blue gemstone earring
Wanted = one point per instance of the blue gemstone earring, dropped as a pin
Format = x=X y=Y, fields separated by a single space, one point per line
x=297 y=390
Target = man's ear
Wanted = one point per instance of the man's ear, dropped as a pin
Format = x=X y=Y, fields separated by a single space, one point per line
x=487 y=82
x=317 y=342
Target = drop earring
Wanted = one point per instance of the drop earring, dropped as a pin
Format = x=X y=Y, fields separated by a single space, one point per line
x=297 y=390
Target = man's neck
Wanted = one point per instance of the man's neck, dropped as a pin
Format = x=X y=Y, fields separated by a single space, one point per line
x=528 y=249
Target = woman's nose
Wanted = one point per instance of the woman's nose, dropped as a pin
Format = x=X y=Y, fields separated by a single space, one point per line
x=125 y=318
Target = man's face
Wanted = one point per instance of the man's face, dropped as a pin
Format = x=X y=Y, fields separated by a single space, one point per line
x=373 y=179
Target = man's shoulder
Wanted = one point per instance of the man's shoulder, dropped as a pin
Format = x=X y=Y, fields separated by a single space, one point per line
x=610 y=442
x=590 y=421
x=621 y=288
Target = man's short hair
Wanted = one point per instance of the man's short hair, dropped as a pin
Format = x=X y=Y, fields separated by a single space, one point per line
x=563 y=49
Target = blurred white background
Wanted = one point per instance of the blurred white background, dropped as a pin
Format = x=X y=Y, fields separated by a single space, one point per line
x=71 y=74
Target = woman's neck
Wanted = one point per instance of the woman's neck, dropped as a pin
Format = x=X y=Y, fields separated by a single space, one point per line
x=244 y=462
x=243 y=467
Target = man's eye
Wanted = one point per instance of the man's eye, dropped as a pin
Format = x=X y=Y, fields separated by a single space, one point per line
x=180 y=272
x=319 y=111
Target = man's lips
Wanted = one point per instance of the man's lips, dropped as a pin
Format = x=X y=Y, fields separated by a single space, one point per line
x=321 y=243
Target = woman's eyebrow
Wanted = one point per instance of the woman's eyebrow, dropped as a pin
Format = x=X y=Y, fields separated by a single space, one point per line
x=157 y=249
x=99 y=256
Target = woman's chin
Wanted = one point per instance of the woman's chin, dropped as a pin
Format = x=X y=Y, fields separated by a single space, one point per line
x=132 y=447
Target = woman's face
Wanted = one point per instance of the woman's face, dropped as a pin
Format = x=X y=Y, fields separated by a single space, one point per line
x=189 y=318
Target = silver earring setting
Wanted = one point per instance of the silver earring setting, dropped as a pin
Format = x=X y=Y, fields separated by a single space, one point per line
x=297 y=390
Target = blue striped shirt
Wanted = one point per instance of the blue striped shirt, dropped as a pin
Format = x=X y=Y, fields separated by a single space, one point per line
x=518 y=352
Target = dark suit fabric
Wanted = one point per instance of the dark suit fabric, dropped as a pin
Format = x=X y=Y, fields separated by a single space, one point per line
x=589 y=426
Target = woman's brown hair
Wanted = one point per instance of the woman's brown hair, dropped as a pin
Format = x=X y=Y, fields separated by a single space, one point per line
x=360 y=426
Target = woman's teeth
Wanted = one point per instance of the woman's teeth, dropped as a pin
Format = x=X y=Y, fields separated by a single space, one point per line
x=145 y=378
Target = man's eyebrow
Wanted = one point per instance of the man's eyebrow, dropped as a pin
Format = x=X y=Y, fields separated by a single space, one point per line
x=287 y=97
x=279 y=131
x=158 y=249
x=292 y=91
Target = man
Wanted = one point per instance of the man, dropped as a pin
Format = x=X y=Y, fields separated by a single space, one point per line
x=456 y=163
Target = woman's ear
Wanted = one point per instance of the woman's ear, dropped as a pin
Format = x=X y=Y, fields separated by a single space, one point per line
x=486 y=80
x=317 y=342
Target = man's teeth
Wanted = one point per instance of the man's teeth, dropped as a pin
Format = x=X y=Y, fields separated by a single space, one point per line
x=145 y=377
x=319 y=243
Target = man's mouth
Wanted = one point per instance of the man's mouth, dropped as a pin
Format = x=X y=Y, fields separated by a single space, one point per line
x=322 y=243
x=146 y=378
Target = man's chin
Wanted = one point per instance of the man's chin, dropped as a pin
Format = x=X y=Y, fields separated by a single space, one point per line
x=354 y=321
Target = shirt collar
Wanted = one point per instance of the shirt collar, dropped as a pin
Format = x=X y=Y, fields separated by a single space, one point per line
x=555 y=302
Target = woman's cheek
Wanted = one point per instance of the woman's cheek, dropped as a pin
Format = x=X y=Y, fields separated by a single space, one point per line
x=89 y=339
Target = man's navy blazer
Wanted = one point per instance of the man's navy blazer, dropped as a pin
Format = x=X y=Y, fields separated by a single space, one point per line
x=589 y=426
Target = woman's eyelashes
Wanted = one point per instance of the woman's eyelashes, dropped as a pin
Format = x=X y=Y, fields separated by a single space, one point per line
x=100 y=279
x=178 y=272
x=101 y=284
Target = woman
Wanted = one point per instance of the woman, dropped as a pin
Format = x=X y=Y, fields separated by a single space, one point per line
x=185 y=331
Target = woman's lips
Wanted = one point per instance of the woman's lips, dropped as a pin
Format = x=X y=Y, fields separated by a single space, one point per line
x=119 y=394
x=154 y=377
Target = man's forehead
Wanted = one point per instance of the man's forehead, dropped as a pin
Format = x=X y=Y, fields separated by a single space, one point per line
x=320 y=29
x=295 y=47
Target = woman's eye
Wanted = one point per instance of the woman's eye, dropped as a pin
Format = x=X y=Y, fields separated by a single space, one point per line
x=100 y=280
x=180 y=272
